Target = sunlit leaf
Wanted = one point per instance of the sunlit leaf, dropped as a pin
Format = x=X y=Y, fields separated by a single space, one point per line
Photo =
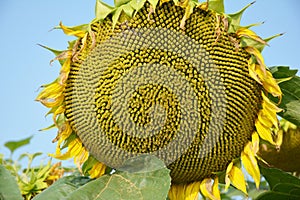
x=13 y=145
x=9 y=189
x=291 y=93
x=148 y=182
x=62 y=188
x=275 y=176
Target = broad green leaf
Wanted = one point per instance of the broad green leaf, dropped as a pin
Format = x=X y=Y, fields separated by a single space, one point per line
x=271 y=195
x=13 y=145
x=9 y=189
x=236 y=17
x=281 y=72
x=102 y=10
x=290 y=87
x=140 y=181
x=282 y=191
x=62 y=188
x=293 y=189
x=275 y=176
x=216 y=5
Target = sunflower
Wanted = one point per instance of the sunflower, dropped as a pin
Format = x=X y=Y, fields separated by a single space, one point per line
x=180 y=80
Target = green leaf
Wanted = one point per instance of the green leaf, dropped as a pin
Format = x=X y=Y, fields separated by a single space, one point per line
x=282 y=72
x=119 y=3
x=217 y=5
x=62 y=188
x=275 y=176
x=147 y=180
x=271 y=195
x=236 y=17
x=9 y=189
x=29 y=156
x=13 y=145
x=289 y=84
x=102 y=10
x=283 y=185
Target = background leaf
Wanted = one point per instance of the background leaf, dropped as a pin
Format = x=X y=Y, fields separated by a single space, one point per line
x=283 y=185
x=13 y=145
x=290 y=87
x=9 y=189
x=275 y=176
x=151 y=182
x=62 y=188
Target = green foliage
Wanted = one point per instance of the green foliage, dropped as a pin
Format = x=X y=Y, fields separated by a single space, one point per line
x=290 y=87
x=148 y=180
x=9 y=189
x=30 y=180
x=13 y=145
x=283 y=185
x=63 y=187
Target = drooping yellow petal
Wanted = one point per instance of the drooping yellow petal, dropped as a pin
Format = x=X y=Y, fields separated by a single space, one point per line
x=270 y=105
x=210 y=190
x=264 y=132
x=64 y=72
x=78 y=31
x=97 y=170
x=184 y=191
x=50 y=91
x=271 y=85
x=237 y=179
x=76 y=150
x=258 y=56
x=216 y=191
x=192 y=191
x=255 y=142
x=245 y=32
x=253 y=73
x=227 y=179
x=250 y=163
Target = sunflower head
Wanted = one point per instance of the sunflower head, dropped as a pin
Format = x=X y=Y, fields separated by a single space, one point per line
x=180 y=80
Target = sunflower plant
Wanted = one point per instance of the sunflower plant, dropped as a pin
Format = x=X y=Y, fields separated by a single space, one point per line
x=164 y=99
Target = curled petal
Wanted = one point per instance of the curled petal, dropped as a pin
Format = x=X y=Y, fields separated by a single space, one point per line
x=97 y=170
x=210 y=190
x=245 y=32
x=250 y=163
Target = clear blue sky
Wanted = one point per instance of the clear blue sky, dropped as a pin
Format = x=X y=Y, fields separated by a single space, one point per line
x=25 y=66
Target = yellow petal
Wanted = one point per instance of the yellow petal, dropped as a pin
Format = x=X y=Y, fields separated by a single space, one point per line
x=270 y=105
x=227 y=179
x=184 y=191
x=250 y=163
x=237 y=179
x=52 y=102
x=264 y=132
x=97 y=170
x=64 y=156
x=50 y=91
x=258 y=56
x=192 y=191
x=255 y=142
x=64 y=72
x=244 y=32
x=210 y=190
x=72 y=30
x=271 y=85
x=216 y=191
x=253 y=73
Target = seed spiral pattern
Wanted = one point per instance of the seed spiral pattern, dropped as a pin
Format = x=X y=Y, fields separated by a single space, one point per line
x=148 y=83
